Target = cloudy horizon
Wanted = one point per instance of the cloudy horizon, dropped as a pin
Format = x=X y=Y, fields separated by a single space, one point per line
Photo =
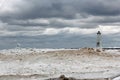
x=59 y=23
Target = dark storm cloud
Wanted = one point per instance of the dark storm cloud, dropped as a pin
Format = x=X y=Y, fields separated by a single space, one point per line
x=102 y=12
x=65 y=8
x=68 y=9
x=39 y=9
x=101 y=7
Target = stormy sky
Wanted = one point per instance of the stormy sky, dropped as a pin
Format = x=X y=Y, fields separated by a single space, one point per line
x=58 y=23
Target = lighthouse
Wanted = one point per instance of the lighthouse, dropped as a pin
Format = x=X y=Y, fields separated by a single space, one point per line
x=99 y=42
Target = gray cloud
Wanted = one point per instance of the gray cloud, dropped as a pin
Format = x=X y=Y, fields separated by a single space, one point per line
x=101 y=7
x=27 y=23
x=64 y=9
x=28 y=15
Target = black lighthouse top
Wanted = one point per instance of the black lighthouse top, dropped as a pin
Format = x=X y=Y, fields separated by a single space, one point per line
x=98 y=33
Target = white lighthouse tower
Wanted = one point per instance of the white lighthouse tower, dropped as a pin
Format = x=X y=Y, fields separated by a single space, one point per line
x=99 y=42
